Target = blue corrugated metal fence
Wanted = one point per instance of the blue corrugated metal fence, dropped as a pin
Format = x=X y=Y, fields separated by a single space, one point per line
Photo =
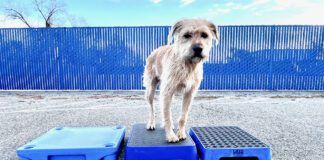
x=247 y=58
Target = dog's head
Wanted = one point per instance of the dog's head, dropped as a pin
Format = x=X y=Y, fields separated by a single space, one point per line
x=193 y=38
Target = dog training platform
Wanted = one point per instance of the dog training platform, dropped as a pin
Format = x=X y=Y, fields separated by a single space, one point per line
x=228 y=143
x=152 y=145
x=93 y=143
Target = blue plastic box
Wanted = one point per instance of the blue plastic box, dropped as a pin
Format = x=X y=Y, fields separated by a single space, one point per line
x=93 y=143
x=152 y=145
x=228 y=143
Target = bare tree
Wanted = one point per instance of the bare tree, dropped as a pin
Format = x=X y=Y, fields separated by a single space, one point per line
x=14 y=14
x=47 y=9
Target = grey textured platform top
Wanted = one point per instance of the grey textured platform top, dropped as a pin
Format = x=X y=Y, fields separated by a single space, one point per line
x=141 y=137
x=226 y=137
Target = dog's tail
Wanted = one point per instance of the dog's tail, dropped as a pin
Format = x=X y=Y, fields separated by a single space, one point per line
x=147 y=75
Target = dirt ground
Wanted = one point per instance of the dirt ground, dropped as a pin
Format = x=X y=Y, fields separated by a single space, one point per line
x=291 y=123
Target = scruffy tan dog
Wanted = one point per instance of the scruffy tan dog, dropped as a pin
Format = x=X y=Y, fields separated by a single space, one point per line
x=178 y=67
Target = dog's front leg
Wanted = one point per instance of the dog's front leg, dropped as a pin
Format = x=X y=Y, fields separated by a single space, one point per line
x=186 y=103
x=165 y=99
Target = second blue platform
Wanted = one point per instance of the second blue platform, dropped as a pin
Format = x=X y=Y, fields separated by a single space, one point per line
x=152 y=145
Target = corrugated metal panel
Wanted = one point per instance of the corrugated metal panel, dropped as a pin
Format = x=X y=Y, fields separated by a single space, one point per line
x=27 y=59
x=247 y=58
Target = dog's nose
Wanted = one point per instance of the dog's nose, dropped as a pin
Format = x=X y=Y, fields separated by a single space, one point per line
x=197 y=50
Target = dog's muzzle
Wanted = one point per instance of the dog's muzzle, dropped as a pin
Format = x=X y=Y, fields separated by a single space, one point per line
x=197 y=50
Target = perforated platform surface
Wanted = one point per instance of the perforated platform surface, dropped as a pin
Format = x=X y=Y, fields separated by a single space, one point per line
x=152 y=145
x=93 y=143
x=226 y=142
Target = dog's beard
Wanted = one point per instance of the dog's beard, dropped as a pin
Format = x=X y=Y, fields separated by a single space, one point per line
x=196 y=59
x=192 y=58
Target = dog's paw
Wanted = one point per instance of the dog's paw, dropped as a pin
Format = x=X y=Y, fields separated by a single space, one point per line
x=150 y=125
x=172 y=138
x=181 y=134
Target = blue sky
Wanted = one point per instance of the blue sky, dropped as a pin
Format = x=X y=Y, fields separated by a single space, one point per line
x=166 y=12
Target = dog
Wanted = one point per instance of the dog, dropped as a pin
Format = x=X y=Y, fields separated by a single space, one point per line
x=178 y=68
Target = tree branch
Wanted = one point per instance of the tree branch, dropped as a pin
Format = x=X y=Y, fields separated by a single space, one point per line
x=39 y=9
x=14 y=14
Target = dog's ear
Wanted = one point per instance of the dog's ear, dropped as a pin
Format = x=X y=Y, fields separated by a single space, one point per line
x=214 y=30
x=175 y=28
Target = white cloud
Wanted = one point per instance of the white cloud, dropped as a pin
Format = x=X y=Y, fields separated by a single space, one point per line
x=229 y=7
x=255 y=4
x=6 y=22
x=299 y=12
x=156 y=1
x=306 y=11
x=218 y=9
x=186 y=2
x=230 y=4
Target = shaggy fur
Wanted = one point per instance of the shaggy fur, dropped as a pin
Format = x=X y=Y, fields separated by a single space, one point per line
x=178 y=67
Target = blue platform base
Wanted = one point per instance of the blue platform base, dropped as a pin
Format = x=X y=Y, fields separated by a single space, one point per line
x=228 y=143
x=152 y=145
x=95 y=143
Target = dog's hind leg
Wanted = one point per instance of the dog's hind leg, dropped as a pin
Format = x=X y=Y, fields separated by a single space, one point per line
x=149 y=95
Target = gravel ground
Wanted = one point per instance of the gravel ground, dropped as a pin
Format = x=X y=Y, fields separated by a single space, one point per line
x=292 y=123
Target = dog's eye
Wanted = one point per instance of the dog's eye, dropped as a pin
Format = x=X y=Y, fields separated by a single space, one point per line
x=204 y=35
x=187 y=36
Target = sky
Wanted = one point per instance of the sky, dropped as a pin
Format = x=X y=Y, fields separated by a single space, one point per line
x=166 y=12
